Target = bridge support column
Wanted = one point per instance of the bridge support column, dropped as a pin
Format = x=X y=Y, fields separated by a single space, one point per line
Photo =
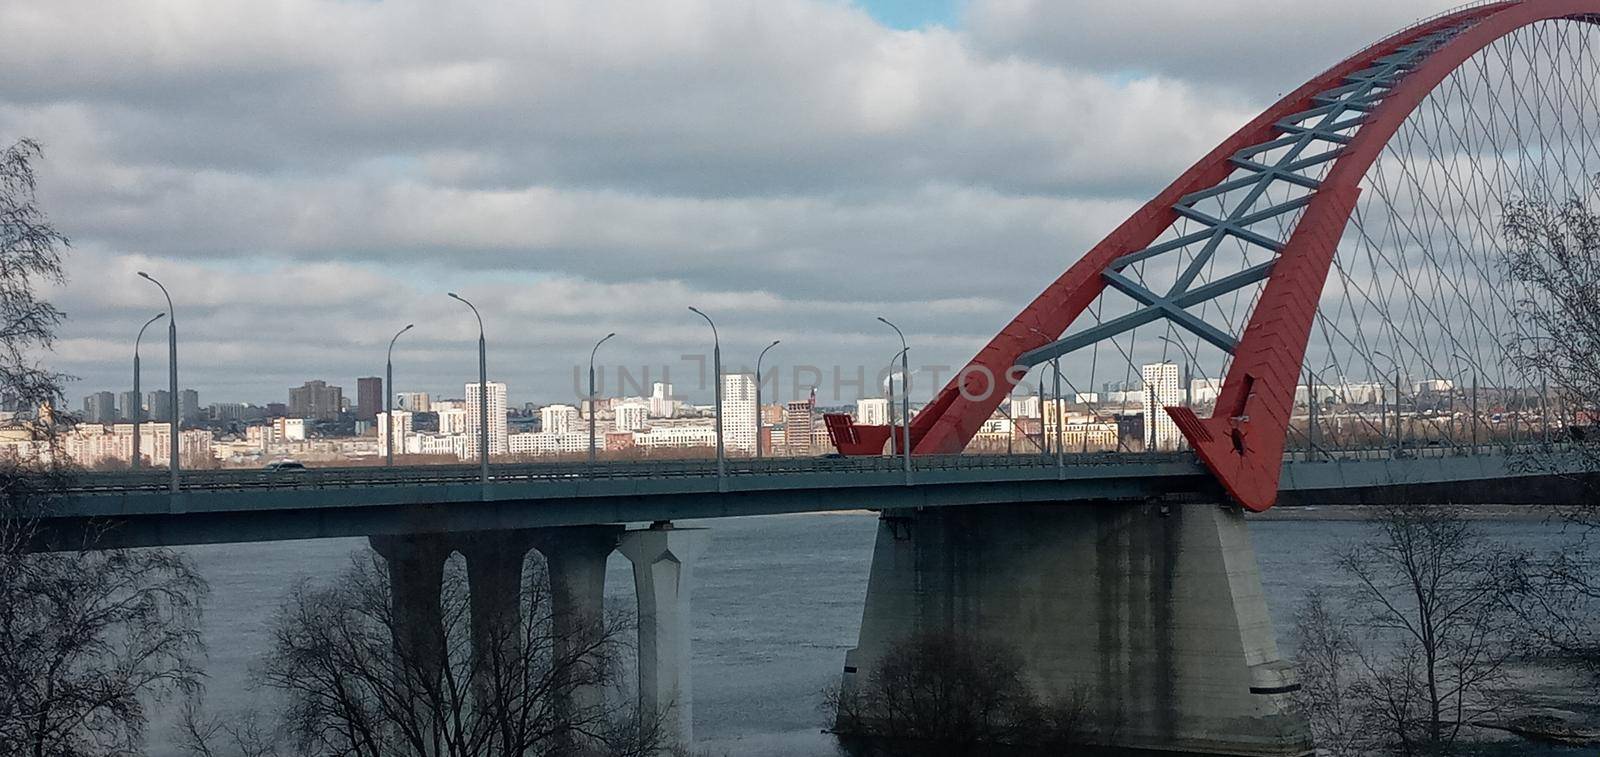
x=494 y=584
x=1152 y=615
x=662 y=558
x=575 y=559
x=416 y=576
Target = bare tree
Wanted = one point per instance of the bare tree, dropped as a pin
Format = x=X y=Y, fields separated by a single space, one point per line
x=88 y=638
x=1554 y=253
x=948 y=695
x=356 y=679
x=1423 y=653
x=1325 y=644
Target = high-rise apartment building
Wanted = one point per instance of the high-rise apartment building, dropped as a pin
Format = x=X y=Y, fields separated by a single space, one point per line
x=369 y=398
x=739 y=412
x=662 y=404
x=497 y=418
x=189 y=406
x=316 y=400
x=158 y=406
x=559 y=419
x=799 y=420
x=100 y=407
x=1161 y=389
x=402 y=429
x=127 y=403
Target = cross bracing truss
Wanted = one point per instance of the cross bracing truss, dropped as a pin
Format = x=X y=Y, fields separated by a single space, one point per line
x=1307 y=141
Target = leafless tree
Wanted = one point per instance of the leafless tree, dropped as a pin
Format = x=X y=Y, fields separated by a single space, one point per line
x=356 y=679
x=1420 y=649
x=88 y=638
x=1554 y=254
x=1325 y=644
x=949 y=695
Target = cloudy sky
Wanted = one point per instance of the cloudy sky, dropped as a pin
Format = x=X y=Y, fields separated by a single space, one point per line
x=308 y=176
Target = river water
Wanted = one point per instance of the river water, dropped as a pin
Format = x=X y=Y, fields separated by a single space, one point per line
x=777 y=602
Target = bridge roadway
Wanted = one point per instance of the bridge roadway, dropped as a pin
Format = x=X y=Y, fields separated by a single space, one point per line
x=249 y=506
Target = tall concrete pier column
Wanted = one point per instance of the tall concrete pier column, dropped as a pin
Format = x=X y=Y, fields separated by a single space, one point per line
x=416 y=576
x=575 y=559
x=494 y=583
x=1151 y=614
x=662 y=558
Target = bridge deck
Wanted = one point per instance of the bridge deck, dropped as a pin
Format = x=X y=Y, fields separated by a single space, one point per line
x=240 y=506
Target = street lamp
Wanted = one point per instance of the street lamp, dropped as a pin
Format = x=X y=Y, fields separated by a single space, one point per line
x=388 y=399
x=483 y=393
x=138 y=399
x=172 y=376
x=758 y=394
x=1399 y=421
x=716 y=369
x=592 y=353
x=905 y=394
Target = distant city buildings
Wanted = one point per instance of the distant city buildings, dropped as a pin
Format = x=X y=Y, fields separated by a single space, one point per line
x=662 y=403
x=316 y=400
x=559 y=419
x=739 y=412
x=872 y=411
x=369 y=398
x=189 y=406
x=402 y=430
x=631 y=416
x=498 y=444
x=158 y=406
x=100 y=407
x=129 y=403
x=416 y=402
x=1161 y=389
x=799 y=422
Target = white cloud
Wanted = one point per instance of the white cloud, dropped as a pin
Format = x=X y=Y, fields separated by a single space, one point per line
x=312 y=174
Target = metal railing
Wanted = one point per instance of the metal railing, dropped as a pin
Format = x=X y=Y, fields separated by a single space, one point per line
x=510 y=473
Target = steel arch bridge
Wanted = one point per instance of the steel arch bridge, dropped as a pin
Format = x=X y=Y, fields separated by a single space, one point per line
x=1388 y=171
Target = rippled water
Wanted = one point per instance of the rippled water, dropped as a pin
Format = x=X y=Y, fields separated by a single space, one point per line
x=777 y=603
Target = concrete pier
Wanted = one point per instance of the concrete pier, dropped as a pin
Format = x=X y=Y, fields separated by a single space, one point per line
x=663 y=558
x=575 y=560
x=1151 y=614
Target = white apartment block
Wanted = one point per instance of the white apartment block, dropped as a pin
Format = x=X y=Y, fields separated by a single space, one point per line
x=739 y=412
x=662 y=404
x=559 y=419
x=872 y=411
x=546 y=443
x=416 y=402
x=1204 y=391
x=497 y=418
x=700 y=432
x=1026 y=406
x=402 y=429
x=452 y=420
x=630 y=416
x=1161 y=389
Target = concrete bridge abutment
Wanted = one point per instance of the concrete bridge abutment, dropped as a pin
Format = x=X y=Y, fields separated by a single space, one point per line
x=1150 y=615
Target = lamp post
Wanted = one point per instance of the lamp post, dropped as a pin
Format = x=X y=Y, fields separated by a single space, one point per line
x=759 y=357
x=138 y=399
x=592 y=390
x=716 y=370
x=388 y=399
x=905 y=396
x=483 y=393
x=172 y=378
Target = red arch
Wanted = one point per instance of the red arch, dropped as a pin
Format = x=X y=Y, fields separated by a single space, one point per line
x=1242 y=444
